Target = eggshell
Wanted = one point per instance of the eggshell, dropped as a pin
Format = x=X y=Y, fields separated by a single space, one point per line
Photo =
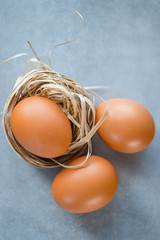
x=41 y=127
x=128 y=128
x=86 y=188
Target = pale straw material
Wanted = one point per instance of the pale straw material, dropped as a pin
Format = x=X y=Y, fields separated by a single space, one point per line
x=71 y=97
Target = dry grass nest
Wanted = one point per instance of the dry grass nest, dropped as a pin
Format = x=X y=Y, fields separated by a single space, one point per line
x=71 y=97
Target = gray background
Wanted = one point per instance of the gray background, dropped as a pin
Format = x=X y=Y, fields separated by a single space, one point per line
x=120 y=49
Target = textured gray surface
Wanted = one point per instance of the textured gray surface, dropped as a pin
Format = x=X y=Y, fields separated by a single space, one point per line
x=121 y=49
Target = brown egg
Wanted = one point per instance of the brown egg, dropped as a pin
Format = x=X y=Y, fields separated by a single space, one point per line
x=128 y=128
x=86 y=188
x=41 y=127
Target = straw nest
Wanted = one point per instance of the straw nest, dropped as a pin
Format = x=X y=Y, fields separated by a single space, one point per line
x=71 y=97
